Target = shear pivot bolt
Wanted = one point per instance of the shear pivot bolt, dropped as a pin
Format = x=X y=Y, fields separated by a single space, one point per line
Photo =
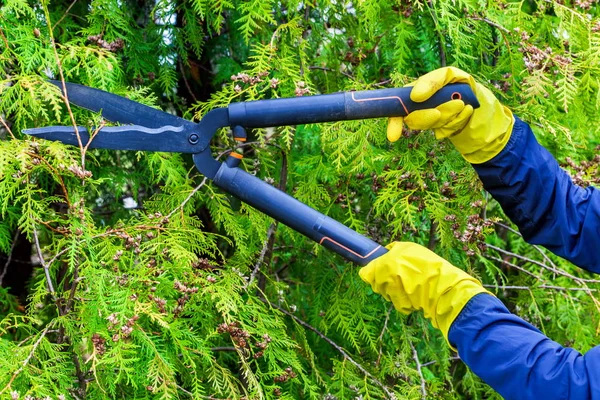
x=193 y=139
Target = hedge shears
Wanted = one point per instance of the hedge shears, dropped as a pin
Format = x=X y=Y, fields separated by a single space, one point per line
x=147 y=129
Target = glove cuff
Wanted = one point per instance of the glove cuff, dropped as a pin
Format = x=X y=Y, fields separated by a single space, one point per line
x=451 y=303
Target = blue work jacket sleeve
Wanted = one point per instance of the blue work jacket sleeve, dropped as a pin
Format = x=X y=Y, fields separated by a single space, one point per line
x=517 y=360
x=541 y=199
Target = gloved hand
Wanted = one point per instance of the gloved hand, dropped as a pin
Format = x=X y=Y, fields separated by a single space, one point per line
x=413 y=278
x=478 y=134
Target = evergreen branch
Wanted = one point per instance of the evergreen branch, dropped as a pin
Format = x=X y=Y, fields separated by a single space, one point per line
x=416 y=358
x=334 y=345
x=187 y=199
x=9 y=258
x=44 y=264
x=58 y=176
x=33 y=349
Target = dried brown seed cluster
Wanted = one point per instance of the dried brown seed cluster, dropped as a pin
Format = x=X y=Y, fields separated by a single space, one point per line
x=187 y=292
x=586 y=172
x=80 y=172
x=301 y=88
x=160 y=303
x=245 y=78
x=204 y=264
x=540 y=59
x=585 y=4
x=238 y=335
x=125 y=330
x=99 y=343
x=286 y=376
x=474 y=230
x=262 y=345
x=113 y=46
x=164 y=220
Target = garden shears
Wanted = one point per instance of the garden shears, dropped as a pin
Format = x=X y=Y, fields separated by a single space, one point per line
x=147 y=129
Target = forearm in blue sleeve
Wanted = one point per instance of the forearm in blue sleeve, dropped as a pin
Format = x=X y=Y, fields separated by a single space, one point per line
x=517 y=360
x=541 y=199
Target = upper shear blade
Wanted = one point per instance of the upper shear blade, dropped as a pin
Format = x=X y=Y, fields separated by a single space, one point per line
x=119 y=109
x=129 y=137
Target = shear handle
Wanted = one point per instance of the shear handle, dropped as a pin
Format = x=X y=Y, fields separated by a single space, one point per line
x=393 y=102
x=298 y=216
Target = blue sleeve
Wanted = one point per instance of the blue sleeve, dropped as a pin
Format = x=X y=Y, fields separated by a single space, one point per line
x=541 y=199
x=517 y=360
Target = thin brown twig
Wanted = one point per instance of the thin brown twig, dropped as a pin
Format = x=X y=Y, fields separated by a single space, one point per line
x=416 y=358
x=515 y=266
x=185 y=81
x=575 y=289
x=489 y=22
x=435 y=361
x=535 y=246
x=380 y=338
x=89 y=142
x=4 y=38
x=263 y=253
x=441 y=43
x=9 y=258
x=188 y=198
x=334 y=345
x=347 y=75
x=3 y=122
x=64 y=93
x=541 y=264
x=65 y=13
x=44 y=264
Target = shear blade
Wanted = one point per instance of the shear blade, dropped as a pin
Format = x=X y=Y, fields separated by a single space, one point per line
x=129 y=137
x=119 y=109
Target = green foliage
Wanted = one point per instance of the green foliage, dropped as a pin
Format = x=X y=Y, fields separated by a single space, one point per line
x=190 y=293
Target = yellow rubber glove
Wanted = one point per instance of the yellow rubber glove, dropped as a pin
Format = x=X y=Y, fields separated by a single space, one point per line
x=478 y=134
x=413 y=278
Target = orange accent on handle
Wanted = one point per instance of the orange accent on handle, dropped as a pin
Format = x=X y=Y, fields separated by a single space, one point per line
x=381 y=98
x=236 y=155
x=456 y=96
x=240 y=139
x=347 y=249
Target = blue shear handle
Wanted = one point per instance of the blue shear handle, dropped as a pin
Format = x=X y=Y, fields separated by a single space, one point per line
x=298 y=216
x=393 y=102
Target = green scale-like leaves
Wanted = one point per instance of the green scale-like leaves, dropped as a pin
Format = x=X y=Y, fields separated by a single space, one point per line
x=150 y=282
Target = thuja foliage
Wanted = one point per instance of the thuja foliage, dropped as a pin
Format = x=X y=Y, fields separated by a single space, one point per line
x=149 y=282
